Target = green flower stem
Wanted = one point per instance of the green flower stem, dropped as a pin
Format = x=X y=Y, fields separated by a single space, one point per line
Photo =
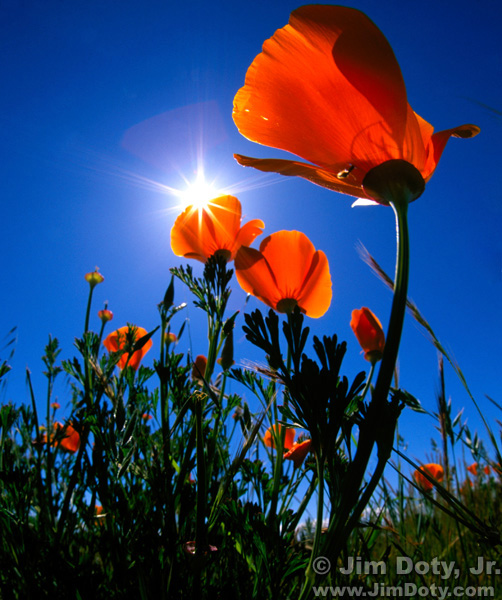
x=368 y=382
x=393 y=339
x=277 y=471
x=281 y=438
x=310 y=573
x=88 y=310
x=164 y=409
x=214 y=339
x=88 y=380
x=381 y=418
x=200 y=532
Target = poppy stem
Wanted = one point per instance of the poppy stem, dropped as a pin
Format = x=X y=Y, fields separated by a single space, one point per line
x=200 y=531
x=379 y=424
x=393 y=338
x=311 y=572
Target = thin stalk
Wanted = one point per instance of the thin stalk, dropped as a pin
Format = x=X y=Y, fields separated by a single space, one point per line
x=281 y=438
x=380 y=422
x=200 y=533
x=368 y=381
x=310 y=572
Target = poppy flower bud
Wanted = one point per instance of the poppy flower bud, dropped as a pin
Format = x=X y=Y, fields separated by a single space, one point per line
x=105 y=315
x=226 y=359
x=94 y=278
x=369 y=333
x=199 y=368
x=170 y=337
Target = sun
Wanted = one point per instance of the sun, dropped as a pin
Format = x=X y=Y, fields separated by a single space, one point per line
x=198 y=194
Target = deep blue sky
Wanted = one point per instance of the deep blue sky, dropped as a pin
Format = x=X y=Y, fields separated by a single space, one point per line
x=82 y=173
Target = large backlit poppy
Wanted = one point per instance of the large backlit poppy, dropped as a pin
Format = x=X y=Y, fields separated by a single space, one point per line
x=328 y=88
x=287 y=271
x=433 y=470
x=216 y=228
x=117 y=340
x=369 y=333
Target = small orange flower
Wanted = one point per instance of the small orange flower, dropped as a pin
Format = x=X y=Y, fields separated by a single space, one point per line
x=369 y=333
x=474 y=469
x=69 y=440
x=200 y=233
x=328 y=88
x=55 y=405
x=199 y=368
x=94 y=278
x=105 y=315
x=285 y=272
x=298 y=452
x=116 y=340
x=433 y=470
x=276 y=430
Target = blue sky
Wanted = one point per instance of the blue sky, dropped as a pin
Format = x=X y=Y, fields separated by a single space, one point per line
x=106 y=105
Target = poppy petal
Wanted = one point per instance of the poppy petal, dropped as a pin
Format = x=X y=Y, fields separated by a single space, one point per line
x=186 y=239
x=248 y=233
x=317 y=175
x=276 y=430
x=255 y=276
x=354 y=94
x=438 y=142
x=317 y=291
x=289 y=254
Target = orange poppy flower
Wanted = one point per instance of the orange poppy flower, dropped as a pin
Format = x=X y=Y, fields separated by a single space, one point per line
x=200 y=233
x=116 y=340
x=276 y=430
x=69 y=441
x=298 y=452
x=285 y=272
x=328 y=88
x=433 y=470
x=474 y=469
x=369 y=333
